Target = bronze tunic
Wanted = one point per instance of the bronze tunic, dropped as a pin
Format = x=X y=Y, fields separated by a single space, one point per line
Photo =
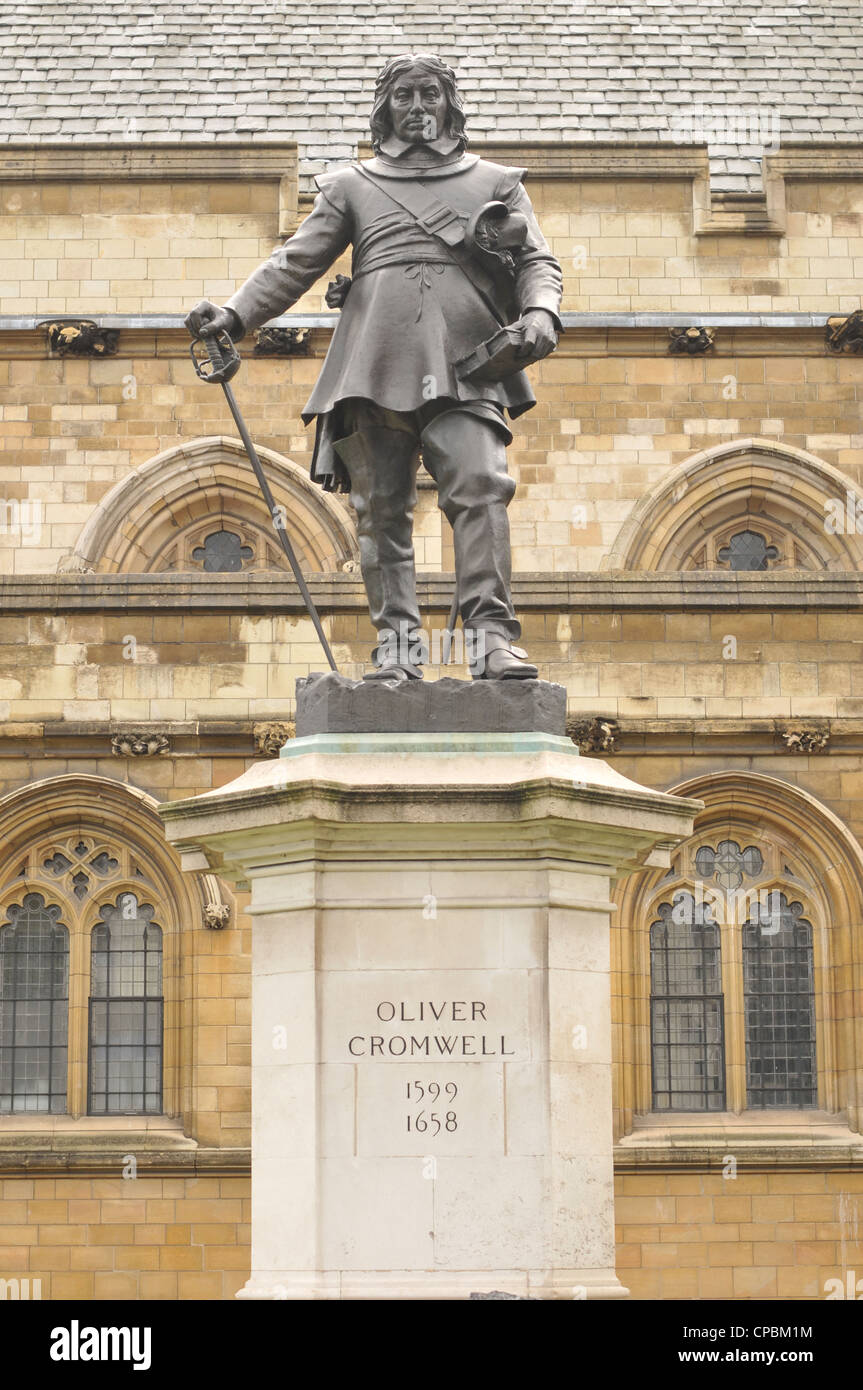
x=411 y=311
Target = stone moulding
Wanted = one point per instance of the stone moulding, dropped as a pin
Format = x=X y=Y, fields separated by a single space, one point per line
x=588 y=334
x=136 y=744
x=691 y=341
x=845 y=334
x=270 y=736
x=714 y=487
x=713 y=213
x=336 y=803
x=271 y=592
x=705 y=1153
x=81 y=338
x=216 y=916
x=194 y=161
x=805 y=737
x=640 y=735
x=275 y=341
x=103 y=1158
x=129 y=520
x=594 y=735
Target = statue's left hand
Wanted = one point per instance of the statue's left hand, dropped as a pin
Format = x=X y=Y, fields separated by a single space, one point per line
x=337 y=291
x=539 y=335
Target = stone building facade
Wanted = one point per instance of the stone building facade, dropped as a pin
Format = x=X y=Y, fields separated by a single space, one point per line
x=688 y=550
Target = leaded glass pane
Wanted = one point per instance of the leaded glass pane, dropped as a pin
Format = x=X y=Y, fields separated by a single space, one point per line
x=125 y=1062
x=728 y=864
x=779 y=1005
x=747 y=550
x=34 y=1008
x=686 y=1015
x=223 y=552
x=103 y=863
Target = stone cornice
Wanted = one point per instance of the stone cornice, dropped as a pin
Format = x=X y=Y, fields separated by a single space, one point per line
x=801 y=1139
x=260 y=592
x=117 y=161
x=590 y=159
x=642 y=738
x=731 y=736
x=195 y=161
x=650 y=160
x=325 y=801
x=843 y=160
x=641 y=318
x=236 y=1163
x=635 y=737
x=199 y=160
x=32 y=1157
x=593 y=334
x=764 y=1157
x=713 y=213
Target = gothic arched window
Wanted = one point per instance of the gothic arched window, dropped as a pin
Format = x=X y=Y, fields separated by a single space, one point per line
x=197 y=508
x=34 y=1007
x=95 y=981
x=746 y=505
x=782 y=878
x=732 y=977
x=90 y=853
x=125 y=1016
x=686 y=1022
x=779 y=1003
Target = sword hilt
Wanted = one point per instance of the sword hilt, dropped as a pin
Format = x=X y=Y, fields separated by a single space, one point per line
x=222 y=360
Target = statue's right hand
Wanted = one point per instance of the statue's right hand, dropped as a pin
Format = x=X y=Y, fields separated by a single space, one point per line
x=207 y=318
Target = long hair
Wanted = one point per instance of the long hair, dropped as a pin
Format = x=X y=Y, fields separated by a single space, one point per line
x=381 y=121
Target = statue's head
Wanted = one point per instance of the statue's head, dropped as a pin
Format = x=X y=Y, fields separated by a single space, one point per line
x=416 y=99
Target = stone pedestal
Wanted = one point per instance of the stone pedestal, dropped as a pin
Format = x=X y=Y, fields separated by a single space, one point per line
x=431 y=1029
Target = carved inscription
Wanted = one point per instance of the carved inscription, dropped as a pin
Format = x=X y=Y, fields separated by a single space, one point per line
x=431 y=1120
x=436 y=1038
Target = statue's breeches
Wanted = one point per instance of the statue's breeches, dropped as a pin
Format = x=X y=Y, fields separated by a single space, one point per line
x=465 y=453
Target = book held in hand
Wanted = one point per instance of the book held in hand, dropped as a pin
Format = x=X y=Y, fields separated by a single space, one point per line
x=495 y=358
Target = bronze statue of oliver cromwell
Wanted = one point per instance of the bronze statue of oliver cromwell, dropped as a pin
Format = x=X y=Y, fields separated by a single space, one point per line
x=446 y=253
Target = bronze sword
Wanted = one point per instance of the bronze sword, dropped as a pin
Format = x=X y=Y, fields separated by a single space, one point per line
x=224 y=364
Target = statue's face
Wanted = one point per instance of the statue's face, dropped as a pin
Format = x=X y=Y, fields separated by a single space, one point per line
x=418 y=107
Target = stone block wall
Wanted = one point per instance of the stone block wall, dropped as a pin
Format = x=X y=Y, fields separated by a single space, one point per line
x=608 y=430
x=647 y=651
x=110 y=1238
x=780 y=1235
x=636 y=663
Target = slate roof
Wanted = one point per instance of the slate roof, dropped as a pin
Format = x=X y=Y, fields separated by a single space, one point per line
x=304 y=70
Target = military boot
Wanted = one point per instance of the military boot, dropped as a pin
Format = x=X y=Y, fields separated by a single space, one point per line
x=501 y=661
